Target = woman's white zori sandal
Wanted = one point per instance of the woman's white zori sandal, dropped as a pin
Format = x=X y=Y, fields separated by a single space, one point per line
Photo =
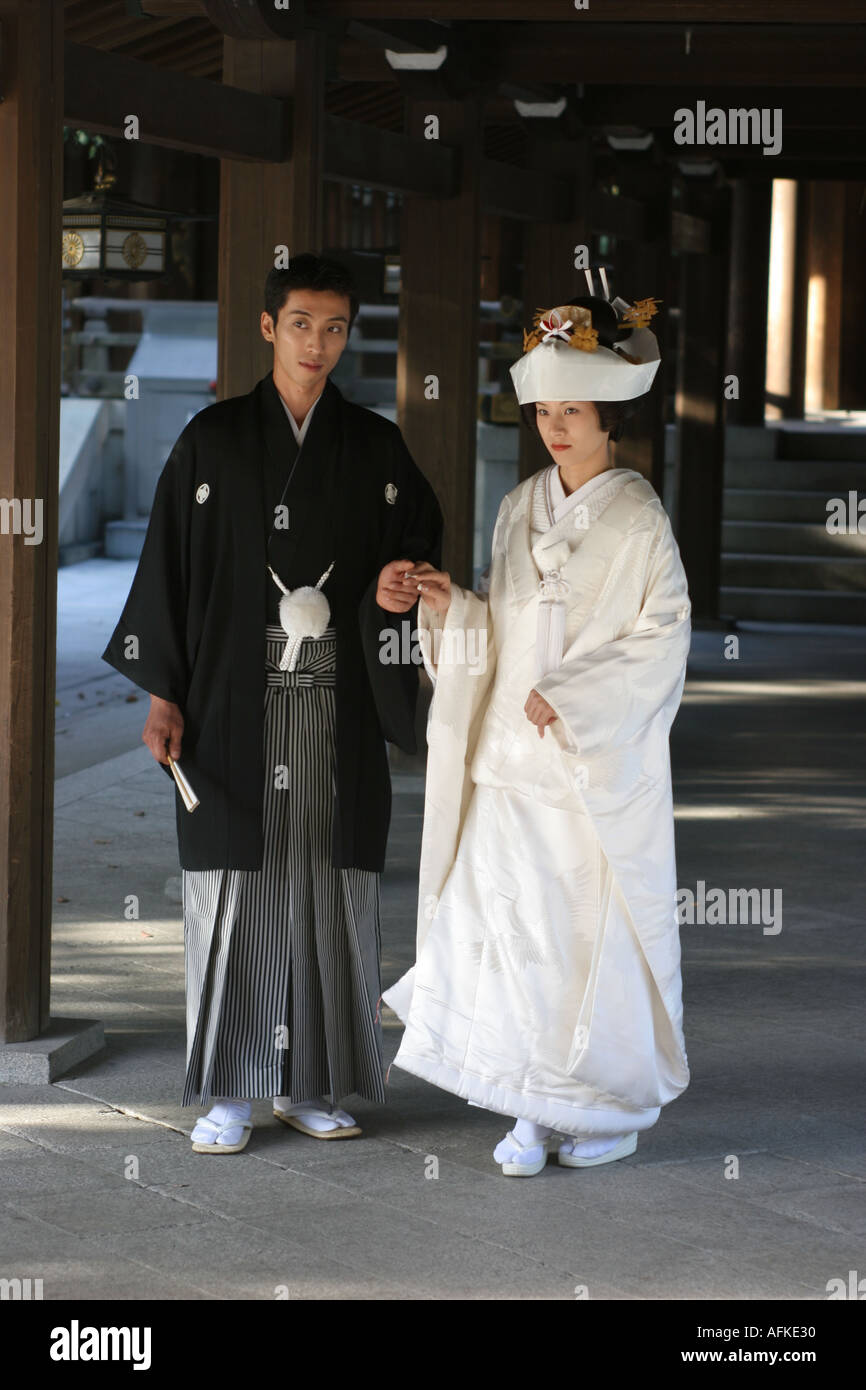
x=524 y=1158
x=519 y=1160
x=224 y=1130
x=316 y=1118
x=575 y=1153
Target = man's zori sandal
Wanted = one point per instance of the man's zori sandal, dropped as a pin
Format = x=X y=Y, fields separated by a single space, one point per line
x=317 y=1119
x=513 y=1167
x=225 y=1130
x=587 y=1153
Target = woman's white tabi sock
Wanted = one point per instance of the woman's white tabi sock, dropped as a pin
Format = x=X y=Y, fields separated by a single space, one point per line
x=223 y=1112
x=525 y=1132
x=588 y=1148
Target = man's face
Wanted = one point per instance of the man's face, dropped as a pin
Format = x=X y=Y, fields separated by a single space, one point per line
x=570 y=429
x=311 y=333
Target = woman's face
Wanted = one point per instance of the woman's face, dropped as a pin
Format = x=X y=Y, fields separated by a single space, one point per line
x=570 y=430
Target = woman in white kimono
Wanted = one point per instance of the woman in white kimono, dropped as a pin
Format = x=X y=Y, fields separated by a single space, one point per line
x=547 y=977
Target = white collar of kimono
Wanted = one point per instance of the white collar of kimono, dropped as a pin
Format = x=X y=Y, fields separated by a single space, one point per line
x=300 y=431
x=558 y=503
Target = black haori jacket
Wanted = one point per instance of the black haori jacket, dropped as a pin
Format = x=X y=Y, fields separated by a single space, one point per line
x=198 y=606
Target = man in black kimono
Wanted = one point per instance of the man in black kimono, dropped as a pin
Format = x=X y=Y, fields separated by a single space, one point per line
x=283 y=742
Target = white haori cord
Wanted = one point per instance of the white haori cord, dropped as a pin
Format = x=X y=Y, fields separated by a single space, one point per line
x=551 y=623
x=304 y=612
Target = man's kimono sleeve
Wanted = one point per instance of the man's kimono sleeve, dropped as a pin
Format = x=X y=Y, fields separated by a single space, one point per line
x=149 y=642
x=414 y=532
x=608 y=697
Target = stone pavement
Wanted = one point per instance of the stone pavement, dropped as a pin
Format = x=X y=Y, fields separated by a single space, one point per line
x=101 y=1196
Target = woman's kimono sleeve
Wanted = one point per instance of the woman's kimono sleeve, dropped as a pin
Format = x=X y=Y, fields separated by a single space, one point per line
x=608 y=698
x=414 y=532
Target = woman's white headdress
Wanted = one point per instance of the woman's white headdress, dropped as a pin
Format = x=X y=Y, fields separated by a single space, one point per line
x=564 y=361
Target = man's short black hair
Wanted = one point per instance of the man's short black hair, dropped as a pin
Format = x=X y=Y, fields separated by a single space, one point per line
x=309 y=272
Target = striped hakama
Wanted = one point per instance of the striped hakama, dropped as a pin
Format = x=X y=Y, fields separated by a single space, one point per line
x=282 y=963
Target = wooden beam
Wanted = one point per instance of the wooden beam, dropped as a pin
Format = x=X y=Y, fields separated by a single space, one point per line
x=716 y=12
x=174 y=109
x=31 y=176
x=816 y=170
x=237 y=19
x=530 y=194
x=806 y=145
x=263 y=206
x=358 y=153
x=653 y=108
x=498 y=11
x=771 y=56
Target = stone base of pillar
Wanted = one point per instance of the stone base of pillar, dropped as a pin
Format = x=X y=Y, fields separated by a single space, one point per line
x=39 y=1061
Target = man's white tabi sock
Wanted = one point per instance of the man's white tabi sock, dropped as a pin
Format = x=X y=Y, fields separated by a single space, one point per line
x=223 y=1112
x=525 y=1132
x=316 y=1113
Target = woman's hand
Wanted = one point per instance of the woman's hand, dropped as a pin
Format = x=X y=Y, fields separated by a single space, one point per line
x=433 y=585
x=539 y=712
x=164 y=725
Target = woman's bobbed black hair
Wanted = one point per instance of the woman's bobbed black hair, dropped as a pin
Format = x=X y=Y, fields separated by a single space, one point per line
x=612 y=416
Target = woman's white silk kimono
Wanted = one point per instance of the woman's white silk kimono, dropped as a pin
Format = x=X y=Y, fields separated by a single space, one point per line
x=547 y=976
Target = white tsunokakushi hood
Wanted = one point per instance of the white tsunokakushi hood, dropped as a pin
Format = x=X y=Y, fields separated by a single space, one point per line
x=564 y=361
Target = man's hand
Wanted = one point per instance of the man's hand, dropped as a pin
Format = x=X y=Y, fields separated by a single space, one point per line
x=539 y=712
x=395 y=593
x=164 y=725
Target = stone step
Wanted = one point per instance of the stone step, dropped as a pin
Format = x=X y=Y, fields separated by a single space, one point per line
x=786 y=538
x=774 y=504
x=843 y=445
x=77 y=551
x=124 y=539
x=798 y=572
x=832 y=477
x=792 y=605
x=750 y=442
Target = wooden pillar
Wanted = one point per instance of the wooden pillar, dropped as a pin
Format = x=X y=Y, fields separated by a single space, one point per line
x=703 y=303
x=747 y=299
x=795 y=406
x=31 y=164
x=643 y=268
x=440 y=247
x=852 y=359
x=824 y=295
x=264 y=205
x=549 y=276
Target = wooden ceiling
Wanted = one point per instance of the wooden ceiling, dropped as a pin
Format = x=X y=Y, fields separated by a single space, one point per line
x=626 y=63
x=184 y=44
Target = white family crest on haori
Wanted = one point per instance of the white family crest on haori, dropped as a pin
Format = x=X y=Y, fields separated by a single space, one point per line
x=390 y=493
x=304 y=612
x=547 y=982
x=202 y=493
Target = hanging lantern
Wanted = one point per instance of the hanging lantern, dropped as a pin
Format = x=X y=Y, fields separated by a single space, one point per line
x=114 y=237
